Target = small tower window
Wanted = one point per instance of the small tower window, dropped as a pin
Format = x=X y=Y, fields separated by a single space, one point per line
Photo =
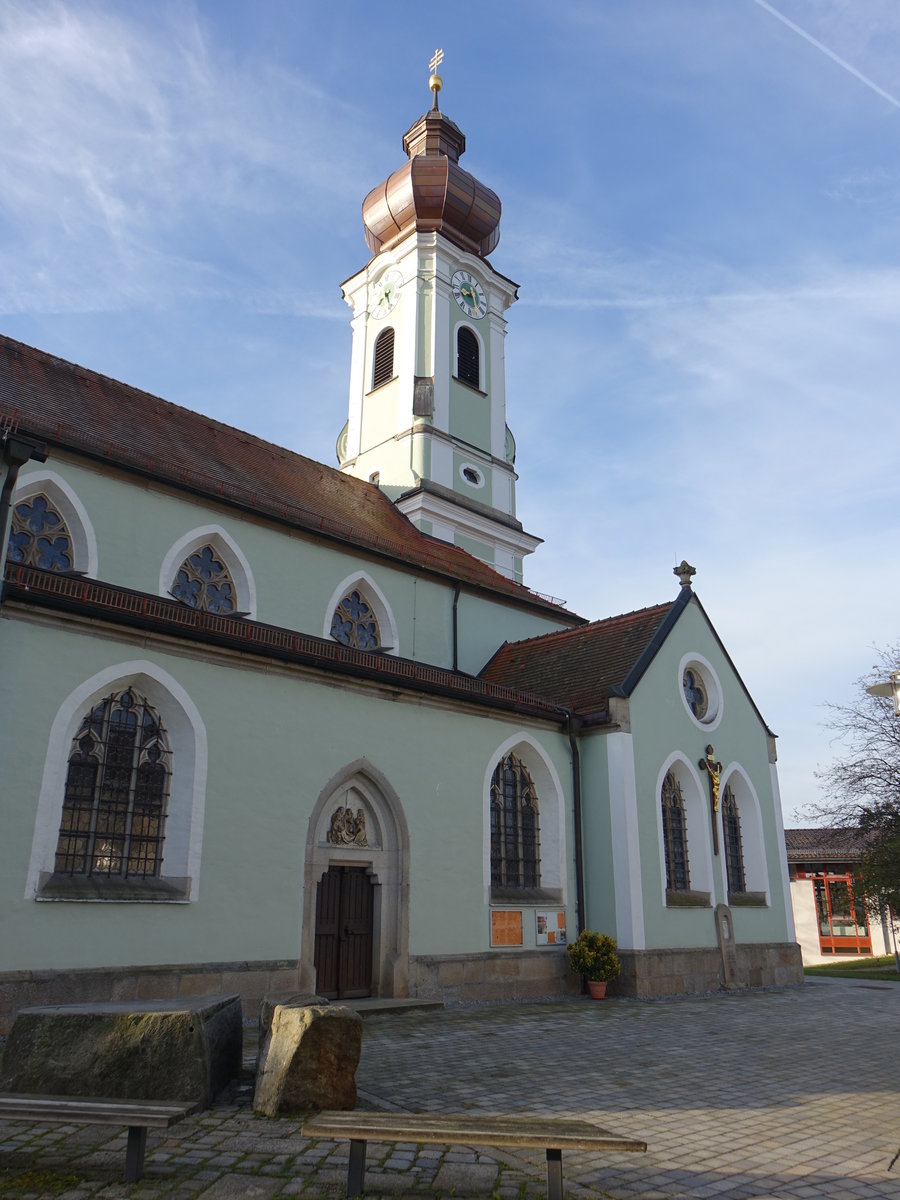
x=384 y=358
x=468 y=357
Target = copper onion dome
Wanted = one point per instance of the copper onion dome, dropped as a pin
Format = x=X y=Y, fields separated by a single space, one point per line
x=432 y=192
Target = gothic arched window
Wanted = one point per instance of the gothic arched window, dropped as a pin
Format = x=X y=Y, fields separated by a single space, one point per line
x=515 y=828
x=468 y=357
x=675 y=836
x=383 y=368
x=117 y=787
x=354 y=623
x=734 y=853
x=204 y=582
x=39 y=536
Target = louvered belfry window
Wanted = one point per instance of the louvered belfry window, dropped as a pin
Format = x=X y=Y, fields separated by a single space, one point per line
x=515 y=829
x=468 y=365
x=675 y=836
x=384 y=357
x=734 y=856
x=116 y=794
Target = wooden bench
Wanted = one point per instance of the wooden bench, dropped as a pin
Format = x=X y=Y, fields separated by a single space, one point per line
x=551 y=1134
x=138 y=1115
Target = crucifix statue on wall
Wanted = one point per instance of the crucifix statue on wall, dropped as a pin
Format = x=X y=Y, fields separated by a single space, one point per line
x=714 y=770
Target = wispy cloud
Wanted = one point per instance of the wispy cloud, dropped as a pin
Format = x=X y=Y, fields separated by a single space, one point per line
x=131 y=160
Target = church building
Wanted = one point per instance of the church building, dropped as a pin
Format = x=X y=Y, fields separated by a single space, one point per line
x=268 y=724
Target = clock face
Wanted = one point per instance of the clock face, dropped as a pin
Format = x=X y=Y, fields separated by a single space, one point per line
x=386 y=294
x=469 y=294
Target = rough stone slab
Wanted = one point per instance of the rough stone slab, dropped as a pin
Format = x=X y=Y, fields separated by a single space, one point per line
x=139 y=1050
x=308 y=1060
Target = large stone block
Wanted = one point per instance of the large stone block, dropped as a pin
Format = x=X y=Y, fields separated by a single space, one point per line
x=142 y=1050
x=308 y=1060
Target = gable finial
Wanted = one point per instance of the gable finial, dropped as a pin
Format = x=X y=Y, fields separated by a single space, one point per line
x=685 y=572
x=435 y=82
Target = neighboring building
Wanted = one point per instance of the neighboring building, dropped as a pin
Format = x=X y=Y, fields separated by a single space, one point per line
x=267 y=724
x=830 y=914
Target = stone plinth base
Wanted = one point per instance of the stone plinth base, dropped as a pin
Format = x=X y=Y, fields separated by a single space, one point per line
x=650 y=973
x=160 y=1050
x=529 y=975
x=183 y=982
x=308 y=1059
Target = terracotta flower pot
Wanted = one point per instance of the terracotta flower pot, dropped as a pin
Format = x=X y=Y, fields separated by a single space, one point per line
x=597 y=988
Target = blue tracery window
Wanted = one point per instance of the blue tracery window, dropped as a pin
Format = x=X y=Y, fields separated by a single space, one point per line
x=117 y=786
x=204 y=582
x=354 y=623
x=734 y=856
x=695 y=693
x=675 y=836
x=39 y=536
x=515 y=829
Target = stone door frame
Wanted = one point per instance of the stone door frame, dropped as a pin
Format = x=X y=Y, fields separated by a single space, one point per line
x=385 y=856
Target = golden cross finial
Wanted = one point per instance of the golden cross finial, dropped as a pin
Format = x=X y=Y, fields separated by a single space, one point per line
x=435 y=82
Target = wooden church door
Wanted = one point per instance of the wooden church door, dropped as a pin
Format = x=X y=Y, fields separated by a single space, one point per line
x=343 y=950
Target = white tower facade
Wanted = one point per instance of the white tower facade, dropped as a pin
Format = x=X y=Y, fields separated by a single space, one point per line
x=427 y=411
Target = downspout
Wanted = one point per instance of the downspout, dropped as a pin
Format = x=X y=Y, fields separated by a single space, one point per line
x=456 y=592
x=16 y=452
x=573 y=728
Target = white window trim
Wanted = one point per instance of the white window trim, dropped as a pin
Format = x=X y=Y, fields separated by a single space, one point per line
x=697 y=821
x=713 y=688
x=187 y=795
x=72 y=511
x=753 y=845
x=228 y=550
x=551 y=811
x=376 y=599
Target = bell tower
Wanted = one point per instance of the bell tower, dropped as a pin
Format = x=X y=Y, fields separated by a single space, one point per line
x=427 y=418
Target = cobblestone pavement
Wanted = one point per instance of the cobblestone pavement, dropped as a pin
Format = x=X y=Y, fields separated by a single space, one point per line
x=788 y=1094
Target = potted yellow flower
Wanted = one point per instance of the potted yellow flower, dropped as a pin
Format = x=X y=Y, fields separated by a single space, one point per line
x=594 y=956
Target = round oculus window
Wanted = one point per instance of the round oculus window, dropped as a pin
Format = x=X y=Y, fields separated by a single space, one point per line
x=470 y=474
x=700 y=691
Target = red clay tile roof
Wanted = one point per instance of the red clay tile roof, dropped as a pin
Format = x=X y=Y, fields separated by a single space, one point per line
x=67 y=405
x=823 y=845
x=577 y=668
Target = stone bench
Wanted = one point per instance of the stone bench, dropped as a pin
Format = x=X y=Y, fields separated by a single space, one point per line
x=137 y=1115
x=552 y=1134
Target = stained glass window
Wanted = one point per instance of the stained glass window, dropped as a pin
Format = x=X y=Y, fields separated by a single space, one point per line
x=114 y=807
x=695 y=693
x=203 y=581
x=39 y=536
x=515 y=828
x=354 y=623
x=734 y=855
x=675 y=836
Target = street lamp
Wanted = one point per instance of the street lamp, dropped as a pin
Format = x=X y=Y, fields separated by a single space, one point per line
x=890 y=687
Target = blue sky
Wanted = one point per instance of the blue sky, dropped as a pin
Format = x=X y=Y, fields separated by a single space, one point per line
x=701 y=203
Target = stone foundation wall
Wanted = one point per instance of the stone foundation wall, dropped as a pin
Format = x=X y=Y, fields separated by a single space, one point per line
x=526 y=975
x=650 y=973
x=250 y=980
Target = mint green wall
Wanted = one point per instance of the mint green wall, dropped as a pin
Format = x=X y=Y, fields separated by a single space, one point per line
x=136 y=524
x=275 y=740
x=470 y=416
x=479 y=549
x=661 y=725
x=600 y=866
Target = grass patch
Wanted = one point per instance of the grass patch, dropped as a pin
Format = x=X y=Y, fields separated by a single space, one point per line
x=15 y=1183
x=858 y=968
